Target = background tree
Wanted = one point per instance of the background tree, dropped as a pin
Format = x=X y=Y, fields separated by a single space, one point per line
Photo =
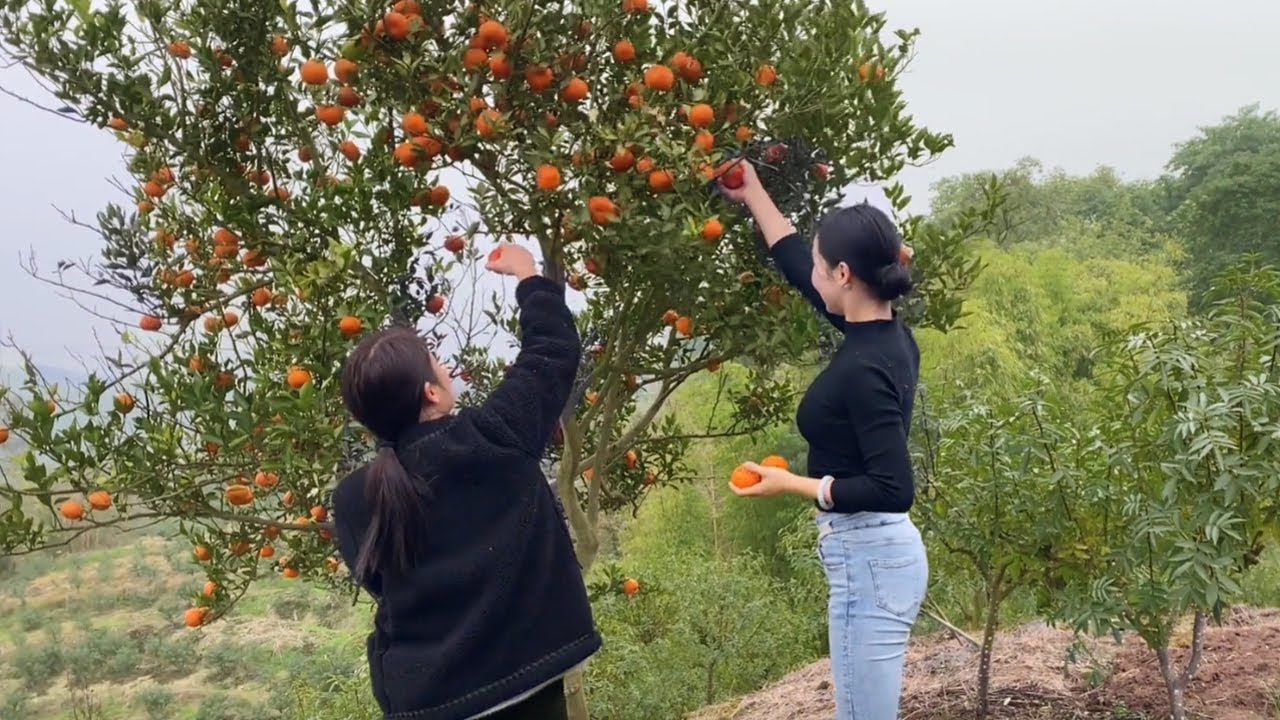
x=1221 y=193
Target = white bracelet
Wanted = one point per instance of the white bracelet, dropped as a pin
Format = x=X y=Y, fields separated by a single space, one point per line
x=824 y=491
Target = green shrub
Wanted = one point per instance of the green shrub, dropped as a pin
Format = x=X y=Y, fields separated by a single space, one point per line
x=37 y=665
x=16 y=706
x=171 y=656
x=294 y=603
x=346 y=696
x=222 y=706
x=156 y=701
x=700 y=631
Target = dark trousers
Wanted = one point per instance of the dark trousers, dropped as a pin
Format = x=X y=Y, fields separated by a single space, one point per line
x=546 y=704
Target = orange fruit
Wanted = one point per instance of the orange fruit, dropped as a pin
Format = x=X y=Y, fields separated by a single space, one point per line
x=624 y=51
x=395 y=25
x=345 y=70
x=548 y=177
x=602 y=210
x=349 y=150
x=622 y=161
x=704 y=140
x=4 y=434
x=435 y=304
x=743 y=133
x=180 y=49
x=414 y=124
x=287 y=499
x=438 y=195
x=645 y=165
x=659 y=78
x=319 y=514
x=348 y=97
x=71 y=510
x=406 y=153
x=701 y=115
x=488 y=123
x=266 y=480
x=118 y=124
x=349 y=326
x=230 y=318
x=713 y=366
x=290 y=572
x=261 y=297
x=100 y=500
x=630 y=587
x=239 y=495
x=455 y=243
x=775 y=461
x=279 y=46
x=635 y=6
x=123 y=403
x=661 y=181
x=500 y=66
x=150 y=323
x=314 y=72
x=684 y=325
x=474 y=58
x=202 y=553
x=210 y=587
x=669 y=317
x=743 y=478
x=195 y=617
x=575 y=90
x=330 y=114
x=266 y=551
x=429 y=146
x=766 y=75
x=539 y=77
x=632 y=459
x=712 y=229
x=298 y=377
x=492 y=34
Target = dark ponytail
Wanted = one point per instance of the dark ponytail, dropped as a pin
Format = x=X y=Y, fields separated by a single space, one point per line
x=382 y=387
x=864 y=238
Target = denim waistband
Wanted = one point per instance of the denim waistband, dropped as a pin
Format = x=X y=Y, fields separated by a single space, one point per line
x=829 y=522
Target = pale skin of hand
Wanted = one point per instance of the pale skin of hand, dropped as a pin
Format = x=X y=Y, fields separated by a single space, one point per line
x=511 y=259
x=777 y=481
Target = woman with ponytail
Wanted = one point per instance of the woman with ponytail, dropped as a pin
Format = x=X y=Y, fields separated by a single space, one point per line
x=453 y=528
x=855 y=417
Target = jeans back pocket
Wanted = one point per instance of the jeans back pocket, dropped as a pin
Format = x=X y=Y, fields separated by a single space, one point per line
x=900 y=582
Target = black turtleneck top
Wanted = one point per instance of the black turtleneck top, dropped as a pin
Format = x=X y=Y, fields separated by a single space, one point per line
x=856 y=414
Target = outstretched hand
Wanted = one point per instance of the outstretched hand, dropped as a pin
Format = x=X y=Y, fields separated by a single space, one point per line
x=511 y=259
x=773 y=481
x=750 y=182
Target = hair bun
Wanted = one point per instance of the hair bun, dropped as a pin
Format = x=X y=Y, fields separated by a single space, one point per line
x=892 y=281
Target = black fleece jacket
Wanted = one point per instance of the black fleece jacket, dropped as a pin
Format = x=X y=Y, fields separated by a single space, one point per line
x=856 y=414
x=496 y=604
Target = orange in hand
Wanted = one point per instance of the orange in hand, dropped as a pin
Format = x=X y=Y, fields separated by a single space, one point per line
x=744 y=478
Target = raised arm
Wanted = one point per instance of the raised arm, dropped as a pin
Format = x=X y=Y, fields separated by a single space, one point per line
x=523 y=410
x=787 y=248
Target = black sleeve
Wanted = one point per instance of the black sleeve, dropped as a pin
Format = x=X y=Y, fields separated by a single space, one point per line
x=524 y=409
x=796 y=264
x=887 y=484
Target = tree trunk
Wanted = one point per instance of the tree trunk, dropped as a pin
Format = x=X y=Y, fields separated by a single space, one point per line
x=995 y=595
x=1176 y=683
x=575 y=696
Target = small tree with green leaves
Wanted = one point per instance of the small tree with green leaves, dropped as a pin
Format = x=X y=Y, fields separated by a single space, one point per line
x=1186 y=477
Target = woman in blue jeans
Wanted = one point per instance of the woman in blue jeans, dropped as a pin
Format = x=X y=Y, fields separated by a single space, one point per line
x=855 y=416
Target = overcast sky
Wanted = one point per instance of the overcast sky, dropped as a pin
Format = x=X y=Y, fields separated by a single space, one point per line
x=1075 y=83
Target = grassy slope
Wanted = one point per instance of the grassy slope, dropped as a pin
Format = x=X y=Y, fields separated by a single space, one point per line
x=103 y=628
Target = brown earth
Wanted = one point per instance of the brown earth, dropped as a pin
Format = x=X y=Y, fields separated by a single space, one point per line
x=1033 y=679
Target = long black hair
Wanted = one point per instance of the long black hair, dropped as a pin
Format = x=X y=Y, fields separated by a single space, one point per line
x=864 y=238
x=382 y=387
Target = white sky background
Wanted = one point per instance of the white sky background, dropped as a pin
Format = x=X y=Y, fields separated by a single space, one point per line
x=1075 y=83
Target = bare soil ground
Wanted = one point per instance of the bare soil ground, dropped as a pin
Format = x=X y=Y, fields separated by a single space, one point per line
x=1032 y=678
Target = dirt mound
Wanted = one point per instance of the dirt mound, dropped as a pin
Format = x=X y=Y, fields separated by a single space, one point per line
x=1042 y=673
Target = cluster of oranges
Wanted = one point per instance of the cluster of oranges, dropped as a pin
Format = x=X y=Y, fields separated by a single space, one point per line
x=744 y=478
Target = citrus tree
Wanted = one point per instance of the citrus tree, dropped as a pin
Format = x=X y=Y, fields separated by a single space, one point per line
x=304 y=173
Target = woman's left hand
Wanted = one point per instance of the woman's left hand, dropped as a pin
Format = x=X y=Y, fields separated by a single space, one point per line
x=773 y=481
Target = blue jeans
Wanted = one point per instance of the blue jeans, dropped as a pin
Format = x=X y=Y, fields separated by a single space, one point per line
x=877 y=572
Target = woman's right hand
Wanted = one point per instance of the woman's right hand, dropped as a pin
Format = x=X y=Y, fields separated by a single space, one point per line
x=511 y=259
x=749 y=189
